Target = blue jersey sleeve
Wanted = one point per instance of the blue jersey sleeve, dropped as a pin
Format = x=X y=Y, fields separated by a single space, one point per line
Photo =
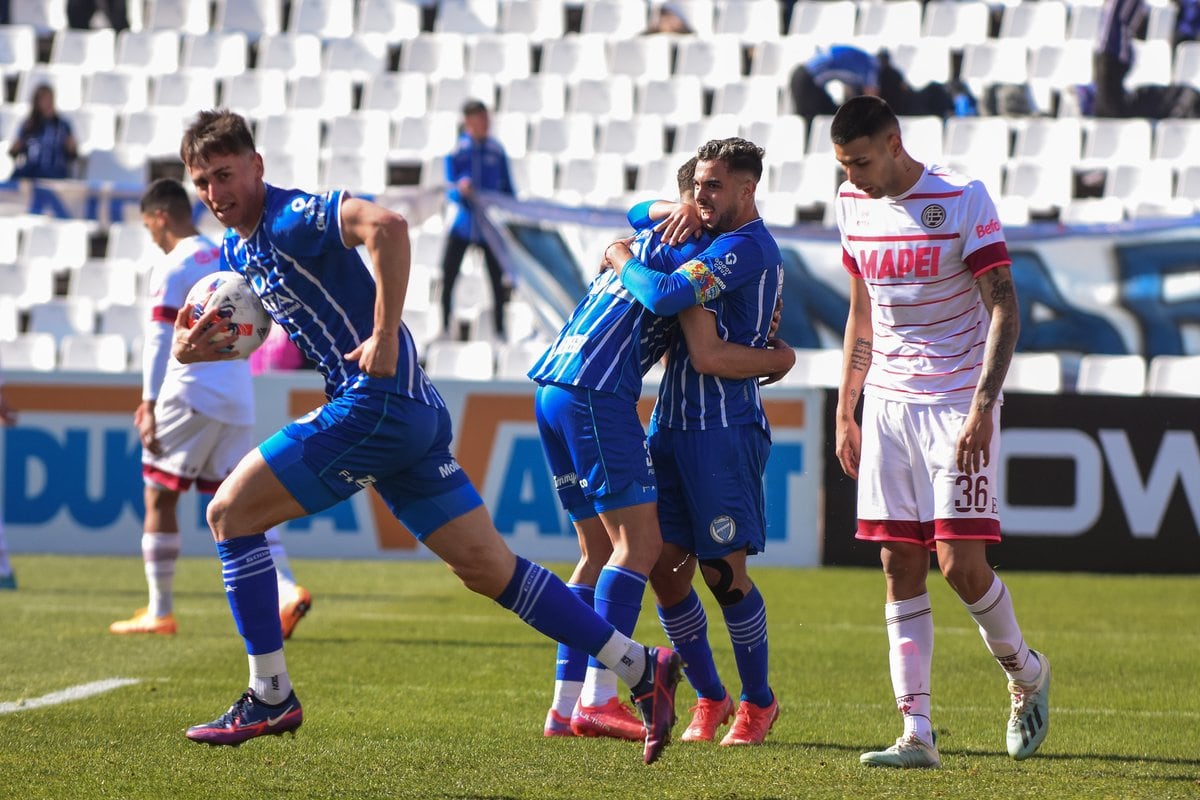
x=655 y=276
x=306 y=225
x=639 y=215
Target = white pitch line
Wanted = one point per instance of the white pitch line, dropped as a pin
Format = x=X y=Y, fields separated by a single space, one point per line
x=67 y=695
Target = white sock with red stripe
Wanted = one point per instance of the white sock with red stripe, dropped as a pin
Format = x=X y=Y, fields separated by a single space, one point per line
x=160 y=551
x=998 y=626
x=910 y=655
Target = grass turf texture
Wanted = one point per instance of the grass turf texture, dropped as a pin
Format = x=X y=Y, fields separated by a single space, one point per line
x=413 y=687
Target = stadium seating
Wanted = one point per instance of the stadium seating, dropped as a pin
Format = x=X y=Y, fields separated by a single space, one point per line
x=29 y=351
x=1177 y=376
x=465 y=360
x=1111 y=374
x=93 y=352
x=583 y=102
x=1038 y=373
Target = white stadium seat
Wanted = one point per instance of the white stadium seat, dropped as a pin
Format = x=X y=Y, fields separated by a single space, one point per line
x=60 y=316
x=1111 y=374
x=29 y=351
x=93 y=352
x=1174 y=376
x=326 y=19
x=463 y=360
x=1039 y=373
x=220 y=53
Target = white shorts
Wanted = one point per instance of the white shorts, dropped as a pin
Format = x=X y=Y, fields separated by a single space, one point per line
x=909 y=488
x=195 y=448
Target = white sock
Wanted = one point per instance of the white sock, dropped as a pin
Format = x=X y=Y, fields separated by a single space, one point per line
x=5 y=564
x=283 y=568
x=910 y=655
x=599 y=686
x=625 y=657
x=160 y=551
x=269 y=677
x=566 y=694
x=1001 y=633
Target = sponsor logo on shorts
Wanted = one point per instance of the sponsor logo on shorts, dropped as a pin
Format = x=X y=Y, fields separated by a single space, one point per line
x=448 y=469
x=363 y=482
x=561 y=481
x=722 y=529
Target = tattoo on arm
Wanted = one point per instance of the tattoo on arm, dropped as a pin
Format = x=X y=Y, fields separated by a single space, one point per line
x=1002 y=342
x=860 y=355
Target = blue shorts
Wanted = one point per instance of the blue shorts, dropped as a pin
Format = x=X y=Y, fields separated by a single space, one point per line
x=710 y=488
x=596 y=449
x=369 y=438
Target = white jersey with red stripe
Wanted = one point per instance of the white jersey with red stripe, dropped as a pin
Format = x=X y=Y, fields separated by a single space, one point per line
x=218 y=389
x=920 y=254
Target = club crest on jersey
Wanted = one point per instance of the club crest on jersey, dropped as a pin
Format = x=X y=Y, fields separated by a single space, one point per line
x=933 y=216
x=722 y=529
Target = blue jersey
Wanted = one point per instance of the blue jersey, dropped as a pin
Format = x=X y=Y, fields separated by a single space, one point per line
x=320 y=291
x=486 y=164
x=611 y=340
x=739 y=278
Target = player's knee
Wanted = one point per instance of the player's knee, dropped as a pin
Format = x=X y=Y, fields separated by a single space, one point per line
x=722 y=581
x=219 y=517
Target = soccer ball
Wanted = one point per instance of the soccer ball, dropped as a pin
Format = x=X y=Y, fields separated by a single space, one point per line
x=240 y=310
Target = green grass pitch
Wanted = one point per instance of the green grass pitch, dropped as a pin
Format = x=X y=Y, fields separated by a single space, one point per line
x=413 y=687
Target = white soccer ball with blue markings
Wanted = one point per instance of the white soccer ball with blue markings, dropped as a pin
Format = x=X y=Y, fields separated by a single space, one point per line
x=240 y=312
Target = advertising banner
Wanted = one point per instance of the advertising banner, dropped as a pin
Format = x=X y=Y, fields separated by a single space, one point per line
x=71 y=471
x=1094 y=483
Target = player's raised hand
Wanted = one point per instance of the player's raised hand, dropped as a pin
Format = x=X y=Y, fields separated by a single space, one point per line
x=200 y=341
x=680 y=225
x=377 y=355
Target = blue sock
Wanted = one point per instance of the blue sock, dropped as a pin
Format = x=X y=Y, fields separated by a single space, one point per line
x=747 y=623
x=249 y=575
x=543 y=601
x=619 y=593
x=571 y=664
x=686 y=625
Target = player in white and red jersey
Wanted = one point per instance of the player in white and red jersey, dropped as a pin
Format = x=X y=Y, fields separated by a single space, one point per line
x=932 y=327
x=195 y=422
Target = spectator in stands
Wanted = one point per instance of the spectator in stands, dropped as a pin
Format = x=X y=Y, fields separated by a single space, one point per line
x=1113 y=55
x=862 y=73
x=478 y=163
x=44 y=146
x=7 y=579
x=668 y=18
x=80 y=12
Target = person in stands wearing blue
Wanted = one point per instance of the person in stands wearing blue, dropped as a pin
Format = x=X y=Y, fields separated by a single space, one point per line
x=478 y=163
x=384 y=425
x=44 y=146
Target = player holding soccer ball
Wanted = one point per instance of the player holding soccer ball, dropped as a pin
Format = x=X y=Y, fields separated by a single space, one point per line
x=932 y=327
x=384 y=425
x=195 y=422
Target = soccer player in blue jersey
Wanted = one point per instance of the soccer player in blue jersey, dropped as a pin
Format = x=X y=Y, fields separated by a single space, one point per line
x=384 y=425
x=710 y=440
x=590 y=380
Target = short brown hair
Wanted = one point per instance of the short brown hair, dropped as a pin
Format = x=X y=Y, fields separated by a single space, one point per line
x=738 y=155
x=215 y=131
x=685 y=176
x=167 y=194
